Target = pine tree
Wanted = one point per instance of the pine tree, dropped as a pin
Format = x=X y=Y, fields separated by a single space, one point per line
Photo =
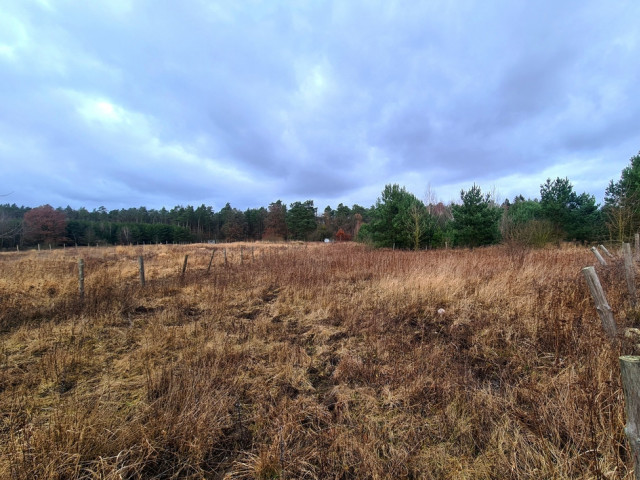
x=476 y=220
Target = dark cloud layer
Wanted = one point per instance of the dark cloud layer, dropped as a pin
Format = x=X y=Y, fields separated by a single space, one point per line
x=127 y=103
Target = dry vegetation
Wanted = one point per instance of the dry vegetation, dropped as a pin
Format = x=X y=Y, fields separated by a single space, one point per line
x=318 y=361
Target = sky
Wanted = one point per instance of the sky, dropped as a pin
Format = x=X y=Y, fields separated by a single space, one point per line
x=126 y=103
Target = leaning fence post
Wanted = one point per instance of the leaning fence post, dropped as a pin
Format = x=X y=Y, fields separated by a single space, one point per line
x=81 y=278
x=603 y=308
x=141 y=265
x=211 y=260
x=184 y=265
x=630 y=274
x=630 y=374
x=598 y=256
x=604 y=249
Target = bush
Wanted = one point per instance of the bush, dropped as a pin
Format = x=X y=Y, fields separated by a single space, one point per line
x=534 y=233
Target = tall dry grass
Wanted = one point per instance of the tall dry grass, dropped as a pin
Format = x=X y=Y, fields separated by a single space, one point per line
x=309 y=361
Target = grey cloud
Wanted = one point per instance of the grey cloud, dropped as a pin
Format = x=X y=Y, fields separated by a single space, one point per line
x=293 y=98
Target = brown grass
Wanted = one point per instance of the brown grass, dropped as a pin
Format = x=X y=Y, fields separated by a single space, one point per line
x=309 y=362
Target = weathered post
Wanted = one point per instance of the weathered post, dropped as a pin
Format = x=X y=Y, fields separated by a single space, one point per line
x=253 y=256
x=637 y=241
x=607 y=252
x=141 y=265
x=630 y=274
x=630 y=374
x=38 y=247
x=184 y=265
x=210 y=260
x=81 y=278
x=225 y=256
x=603 y=308
x=598 y=256
x=17 y=248
x=241 y=255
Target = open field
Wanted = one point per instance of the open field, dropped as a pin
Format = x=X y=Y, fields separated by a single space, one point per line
x=309 y=361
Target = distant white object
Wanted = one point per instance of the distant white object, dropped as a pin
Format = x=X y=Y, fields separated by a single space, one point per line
x=441 y=311
x=326 y=240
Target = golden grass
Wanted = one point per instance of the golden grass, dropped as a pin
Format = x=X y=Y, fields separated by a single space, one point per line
x=309 y=361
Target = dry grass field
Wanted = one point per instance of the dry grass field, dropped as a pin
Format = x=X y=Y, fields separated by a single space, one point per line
x=309 y=362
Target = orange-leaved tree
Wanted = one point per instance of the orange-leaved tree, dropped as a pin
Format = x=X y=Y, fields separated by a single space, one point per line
x=341 y=236
x=44 y=225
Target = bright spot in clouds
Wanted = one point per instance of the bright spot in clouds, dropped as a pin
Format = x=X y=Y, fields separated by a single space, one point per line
x=102 y=111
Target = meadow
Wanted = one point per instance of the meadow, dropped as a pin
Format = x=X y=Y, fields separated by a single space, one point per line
x=310 y=361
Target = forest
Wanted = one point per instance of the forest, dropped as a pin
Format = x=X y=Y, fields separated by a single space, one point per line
x=398 y=219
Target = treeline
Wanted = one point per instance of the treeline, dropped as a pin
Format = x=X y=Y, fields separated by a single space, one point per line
x=44 y=225
x=401 y=220
x=398 y=219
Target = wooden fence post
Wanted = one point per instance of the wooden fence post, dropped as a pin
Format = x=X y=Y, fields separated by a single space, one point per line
x=603 y=308
x=141 y=265
x=630 y=374
x=184 y=265
x=630 y=274
x=636 y=237
x=598 y=256
x=81 y=278
x=241 y=255
x=225 y=256
x=604 y=249
x=211 y=260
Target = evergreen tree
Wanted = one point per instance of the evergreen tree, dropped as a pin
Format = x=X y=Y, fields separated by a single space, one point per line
x=398 y=220
x=255 y=218
x=301 y=219
x=475 y=221
x=573 y=216
x=276 y=222
x=622 y=202
x=235 y=224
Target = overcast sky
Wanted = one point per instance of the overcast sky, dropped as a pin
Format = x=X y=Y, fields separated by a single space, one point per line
x=161 y=103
